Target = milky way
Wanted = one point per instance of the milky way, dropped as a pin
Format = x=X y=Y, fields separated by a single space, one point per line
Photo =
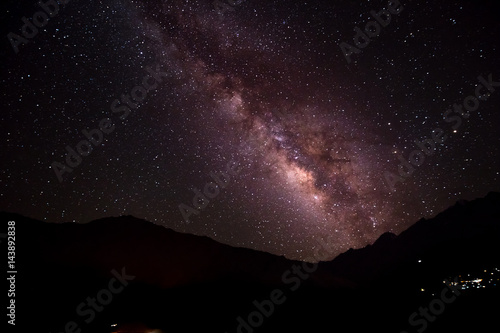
x=264 y=86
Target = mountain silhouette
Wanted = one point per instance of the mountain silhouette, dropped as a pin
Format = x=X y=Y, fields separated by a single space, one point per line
x=204 y=284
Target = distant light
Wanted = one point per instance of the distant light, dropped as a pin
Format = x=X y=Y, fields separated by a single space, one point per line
x=420 y=261
x=113 y=325
x=422 y=289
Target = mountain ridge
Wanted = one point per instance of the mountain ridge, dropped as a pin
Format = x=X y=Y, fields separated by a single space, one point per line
x=179 y=275
x=127 y=239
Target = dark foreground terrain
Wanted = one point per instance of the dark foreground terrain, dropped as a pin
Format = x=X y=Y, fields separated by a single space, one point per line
x=143 y=277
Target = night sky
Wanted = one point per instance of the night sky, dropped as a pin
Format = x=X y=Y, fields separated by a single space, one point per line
x=313 y=142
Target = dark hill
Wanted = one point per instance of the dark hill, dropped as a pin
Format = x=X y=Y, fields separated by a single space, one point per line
x=194 y=282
